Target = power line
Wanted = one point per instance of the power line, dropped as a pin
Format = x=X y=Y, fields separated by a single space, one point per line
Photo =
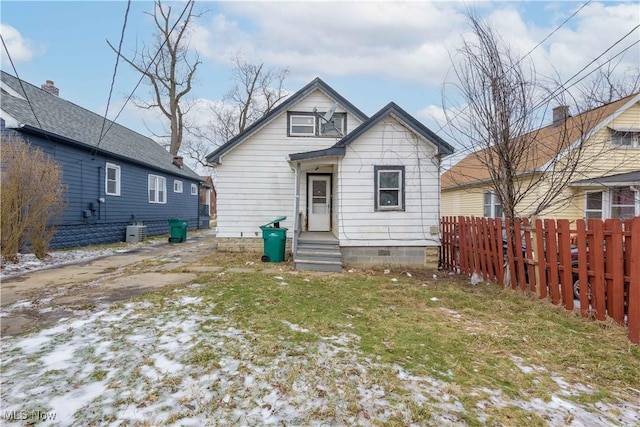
x=113 y=78
x=21 y=85
x=147 y=69
x=524 y=56
x=564 y=85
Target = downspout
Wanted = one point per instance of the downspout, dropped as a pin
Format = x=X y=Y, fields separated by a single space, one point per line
x=296 y=216
x=198 y=203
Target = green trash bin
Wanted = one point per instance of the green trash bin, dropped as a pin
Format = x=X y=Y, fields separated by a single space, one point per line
x=275 y=240
x=178 y=230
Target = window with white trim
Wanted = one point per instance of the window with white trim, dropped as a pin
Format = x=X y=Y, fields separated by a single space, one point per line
x=194 y=190
x=177 y=186
x=389 y=188
x=112 y=180
x=157 y=189
x=623 y=202
x=491 y=206
x=593 y=203
x=302 y=125
x=625 y=139
x=314 y=124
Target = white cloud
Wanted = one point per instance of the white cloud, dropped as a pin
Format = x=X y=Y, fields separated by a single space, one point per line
x=20 y=49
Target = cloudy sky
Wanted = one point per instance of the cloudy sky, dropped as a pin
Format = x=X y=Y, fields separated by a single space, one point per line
x=370 y=52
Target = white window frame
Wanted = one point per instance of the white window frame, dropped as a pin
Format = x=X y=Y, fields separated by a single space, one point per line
x=177 y=186
x=312 y=126
x=618 y=136
x=157 y=186
x=635 y=203
x=399 y=170
x=494 y=205
x=194 y=189
x=602 y=209
x=116 y=168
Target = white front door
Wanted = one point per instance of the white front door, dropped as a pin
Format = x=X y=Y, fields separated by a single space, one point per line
x=319 y=194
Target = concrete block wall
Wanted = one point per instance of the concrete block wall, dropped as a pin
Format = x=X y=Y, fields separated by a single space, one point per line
x=70 y=236
x=246 y=244
x=389 y=256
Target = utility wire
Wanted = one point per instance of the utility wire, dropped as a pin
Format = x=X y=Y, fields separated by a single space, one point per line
x=113 y=78
x=147 y=69
x=523 y=57
x=21 y=85
x=564 y=85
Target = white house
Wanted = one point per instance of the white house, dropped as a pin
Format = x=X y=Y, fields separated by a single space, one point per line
x=356 y=190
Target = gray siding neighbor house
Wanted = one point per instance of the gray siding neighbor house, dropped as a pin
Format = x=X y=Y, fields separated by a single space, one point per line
x=119 y=179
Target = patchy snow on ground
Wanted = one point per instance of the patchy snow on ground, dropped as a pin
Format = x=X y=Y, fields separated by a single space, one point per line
x=28 y=262
x=173 y=363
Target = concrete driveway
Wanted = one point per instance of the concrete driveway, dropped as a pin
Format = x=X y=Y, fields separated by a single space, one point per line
x=40 y=298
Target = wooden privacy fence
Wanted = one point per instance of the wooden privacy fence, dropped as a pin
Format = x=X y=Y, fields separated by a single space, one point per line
x=553 y=258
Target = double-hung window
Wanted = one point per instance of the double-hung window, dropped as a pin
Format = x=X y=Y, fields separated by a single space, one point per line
x=623 y=202
x=157 y=189
x=491 y=207
x=177 y=186
x=593 y=205
x=194 y=189
x=302 y=125
x=389 y=188
x=112 y=180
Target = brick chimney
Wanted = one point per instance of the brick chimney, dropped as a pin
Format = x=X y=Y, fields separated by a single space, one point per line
x=49 y=87
x=560 y=114
x=178 y=161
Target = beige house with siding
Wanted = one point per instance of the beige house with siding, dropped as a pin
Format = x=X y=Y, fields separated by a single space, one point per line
x=355 y=190
x=606 y=183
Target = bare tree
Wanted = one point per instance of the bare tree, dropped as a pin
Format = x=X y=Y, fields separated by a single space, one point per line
x=256 y=91
x=500 y=124
x=168 y=66
x=608 y=84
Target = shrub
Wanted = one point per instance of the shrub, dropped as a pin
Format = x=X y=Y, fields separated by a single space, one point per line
x=32 y=198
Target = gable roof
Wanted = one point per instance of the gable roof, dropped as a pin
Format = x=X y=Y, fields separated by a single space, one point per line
x=339 y=149
x=64 y=121
x=550 y=141
x=316 y=83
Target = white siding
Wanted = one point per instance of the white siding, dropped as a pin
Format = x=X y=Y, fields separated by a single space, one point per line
x=255 y=183
x=388 y=143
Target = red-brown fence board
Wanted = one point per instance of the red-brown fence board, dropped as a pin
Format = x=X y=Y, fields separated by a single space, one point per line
x=633 y=246
x=546 y=257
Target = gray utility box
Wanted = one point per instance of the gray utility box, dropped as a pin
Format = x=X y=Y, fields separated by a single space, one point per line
x=136 y=233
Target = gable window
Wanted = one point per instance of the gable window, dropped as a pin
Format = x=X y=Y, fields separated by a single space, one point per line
x=389 y=188
x=625 y=138
x=593 y=205
x=194 y=190
x=335 y=126
x=491 y=206
x=177 y=186
x=157 y=189
x=112 y=180
x=314 y=124
x=302 y=125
